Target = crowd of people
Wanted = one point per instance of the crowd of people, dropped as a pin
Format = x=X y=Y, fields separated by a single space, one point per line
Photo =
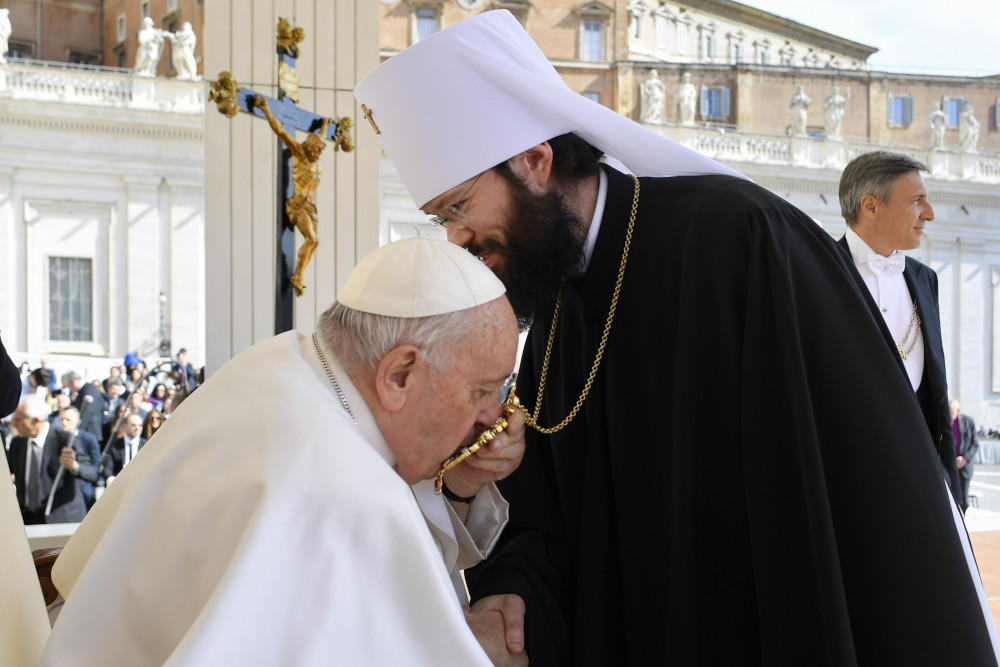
x=96 y=428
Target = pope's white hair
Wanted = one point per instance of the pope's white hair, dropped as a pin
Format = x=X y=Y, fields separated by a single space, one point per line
x=361 y=340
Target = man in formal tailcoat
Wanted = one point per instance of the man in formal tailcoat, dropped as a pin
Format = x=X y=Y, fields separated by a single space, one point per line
x=883 y=198
x=35 y=457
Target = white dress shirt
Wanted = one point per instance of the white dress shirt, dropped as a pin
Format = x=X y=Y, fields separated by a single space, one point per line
x=895 y=302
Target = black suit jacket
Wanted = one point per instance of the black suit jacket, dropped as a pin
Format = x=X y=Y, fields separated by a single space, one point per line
x=969 y=445
x=88 y=451
x=67 y=505
x=932 y=394
x=116 y=456
x=92 y=416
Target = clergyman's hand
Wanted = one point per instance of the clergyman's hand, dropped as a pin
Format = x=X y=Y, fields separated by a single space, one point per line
x=496 y=460
x=497 y=622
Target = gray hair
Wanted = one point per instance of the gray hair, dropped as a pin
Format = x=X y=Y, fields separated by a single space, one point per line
x=872 y=174
x=34 y=407
x=362 y=339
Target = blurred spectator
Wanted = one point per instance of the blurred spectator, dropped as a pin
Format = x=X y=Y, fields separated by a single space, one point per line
x=116 y=418
x=25 y=372
x=114 y=373
x=10 y=386
x=62 y=402
x=132 y=359
x=92 y=413
x=966 y=447
x=153 y=421
x=158 y=396
x=137 y=403
x=125 y=448
x=34 y=459
x=51 y=384
x=84 y=448
x=38 y=382
x=134 y=379
x=185 y=371
x=116 y=389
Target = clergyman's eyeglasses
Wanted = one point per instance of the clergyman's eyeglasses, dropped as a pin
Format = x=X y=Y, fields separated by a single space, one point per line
x=443 y=221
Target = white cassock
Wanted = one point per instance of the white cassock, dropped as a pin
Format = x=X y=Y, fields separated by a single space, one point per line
x=260 y=526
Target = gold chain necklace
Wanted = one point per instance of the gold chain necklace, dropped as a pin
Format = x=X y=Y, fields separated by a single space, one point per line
x=532 y=419
x=899 y=346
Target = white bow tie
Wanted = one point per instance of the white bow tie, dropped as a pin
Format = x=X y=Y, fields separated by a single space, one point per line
x=894 y=263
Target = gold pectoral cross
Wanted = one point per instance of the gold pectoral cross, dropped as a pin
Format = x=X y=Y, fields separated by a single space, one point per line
x=368 y=114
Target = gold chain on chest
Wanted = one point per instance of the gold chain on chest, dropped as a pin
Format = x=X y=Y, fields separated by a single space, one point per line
x=532 y=419
x=914 y=319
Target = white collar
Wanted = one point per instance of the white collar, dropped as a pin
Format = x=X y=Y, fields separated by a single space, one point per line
x=861 y=251
x=43 y=436
x=595 y=223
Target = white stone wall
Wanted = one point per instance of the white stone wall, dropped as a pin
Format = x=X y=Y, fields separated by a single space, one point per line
x=92 y=166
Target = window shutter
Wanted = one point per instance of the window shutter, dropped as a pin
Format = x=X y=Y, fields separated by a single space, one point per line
x=704 y=101
x=725 y=102
x=907 y=111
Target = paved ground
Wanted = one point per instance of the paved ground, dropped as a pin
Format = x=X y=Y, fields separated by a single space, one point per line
x=983 y=522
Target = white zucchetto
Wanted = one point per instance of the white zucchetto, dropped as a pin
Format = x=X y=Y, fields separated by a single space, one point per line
x=467 y=98
x=419 y=277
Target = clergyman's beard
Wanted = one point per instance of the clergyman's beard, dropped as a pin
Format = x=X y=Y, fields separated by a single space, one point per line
x=544 y=243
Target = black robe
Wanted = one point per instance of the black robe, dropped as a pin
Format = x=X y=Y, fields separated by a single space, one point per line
x=716 y=502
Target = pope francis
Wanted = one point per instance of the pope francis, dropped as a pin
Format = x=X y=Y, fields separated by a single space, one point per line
x=292 y=527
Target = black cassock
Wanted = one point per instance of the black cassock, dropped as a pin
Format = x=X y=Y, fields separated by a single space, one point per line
x=722 y=497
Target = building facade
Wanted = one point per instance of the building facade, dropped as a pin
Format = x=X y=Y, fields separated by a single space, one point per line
x=101 y=216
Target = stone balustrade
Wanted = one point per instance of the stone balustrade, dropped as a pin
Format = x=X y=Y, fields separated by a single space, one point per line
x=98 y=86
x=731 y=144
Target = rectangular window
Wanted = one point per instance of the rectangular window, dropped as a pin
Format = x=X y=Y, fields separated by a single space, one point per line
x=900 y=110
x=144 y=9
x=71 y=299
x=427 y=22
x=21 y=49
x=593 y=41
x=952 y=107
x=635 y=26
x=593 y=97
x=682 y=38
x=708 y=45
x=171 y=5
x=715 y=103
x=736 y=52
x=662 y=31
x=121 y=28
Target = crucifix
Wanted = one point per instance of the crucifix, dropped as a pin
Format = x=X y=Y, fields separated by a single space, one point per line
x=298 y=175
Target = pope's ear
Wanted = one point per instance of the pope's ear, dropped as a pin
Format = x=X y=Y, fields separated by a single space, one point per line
x=394 y=376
